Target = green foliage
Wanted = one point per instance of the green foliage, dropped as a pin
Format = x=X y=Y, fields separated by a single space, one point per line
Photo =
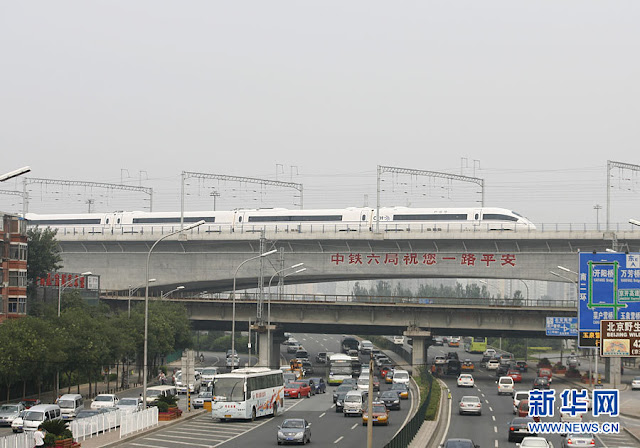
x=384 y=289
x=162 y=406
x=44 y=253
x=170 y=400
x=50 y=439
x=55 y=427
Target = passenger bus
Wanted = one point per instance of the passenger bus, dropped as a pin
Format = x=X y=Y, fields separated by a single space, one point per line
x=475 y=344
x=247 y=393
x=340 y=368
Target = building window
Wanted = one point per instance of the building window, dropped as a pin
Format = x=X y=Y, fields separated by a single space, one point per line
x=18 y=251
x=18 y=278
x=17 y=305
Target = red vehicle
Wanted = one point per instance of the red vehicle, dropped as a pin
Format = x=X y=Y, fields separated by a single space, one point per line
x=297 y=390
x=545 y=373
x=523 y=410
x=515 y=375
x=384 y=370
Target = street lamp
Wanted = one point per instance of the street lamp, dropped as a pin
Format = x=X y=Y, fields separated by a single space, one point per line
x=61 y=287
x=132 y=291
x=167 y=294
x=562 y=268
x=269 y=304
x=635 y=222
x=233 y=313
x=15 y=173
x=146 y=307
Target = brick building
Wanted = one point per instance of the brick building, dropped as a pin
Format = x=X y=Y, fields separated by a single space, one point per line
x=13 y=266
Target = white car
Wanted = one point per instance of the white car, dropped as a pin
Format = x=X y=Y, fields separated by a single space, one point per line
x=505 y=385
x=130 y=405
x=233 y=361
x=566 y=417
x=17 y=425
x=517 y=397
x=105 y=401
x=465 y=380
x=398 y=340
x=440 y=360
x=400 y=376
x=493 y=364
x=489 y=352
x=635 y=383
x=578 y=440
x=470 y=405
x=534 y=442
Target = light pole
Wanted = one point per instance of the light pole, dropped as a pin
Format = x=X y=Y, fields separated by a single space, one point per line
x=167 y=294
x=269 y=304
x=146 y=308
x=132 y=290
x=61 y=287
x=233 y=313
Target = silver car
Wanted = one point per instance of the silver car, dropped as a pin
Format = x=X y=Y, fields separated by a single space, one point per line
x=470 y=405
x=200 y=400
x=9 y=412
x=572 y=440
x=294 y=430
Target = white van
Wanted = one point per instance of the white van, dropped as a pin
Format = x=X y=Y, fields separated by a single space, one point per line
x=505 y=385
x=155 y=392
x=400 y=376
x=36 y=415
x=353 y=403
x=70 y=405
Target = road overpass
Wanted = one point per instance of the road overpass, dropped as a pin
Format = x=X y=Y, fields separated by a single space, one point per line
x=415 y=317
x=207 y=257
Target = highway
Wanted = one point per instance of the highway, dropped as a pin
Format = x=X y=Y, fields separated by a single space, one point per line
x=328 y=428
x=491 y=429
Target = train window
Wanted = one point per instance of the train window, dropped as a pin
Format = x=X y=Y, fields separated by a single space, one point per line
x=107 y=220
x=364 y=217
x=498 y=217
x=118 y=221
x=432 y=217
x=240 y=219
x=172 y=220
x=289 y=218
x=476 y=216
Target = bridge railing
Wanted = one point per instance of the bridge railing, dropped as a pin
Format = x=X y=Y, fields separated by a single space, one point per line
x=228 y=229
x=330 y=298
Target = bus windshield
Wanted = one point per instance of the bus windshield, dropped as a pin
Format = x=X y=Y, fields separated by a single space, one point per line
x=232 y=389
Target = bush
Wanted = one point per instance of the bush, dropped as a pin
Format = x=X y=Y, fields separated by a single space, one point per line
x=171 y=400
x=544 y=362
x=55 y=427
x=162 y=406
x=572 y=373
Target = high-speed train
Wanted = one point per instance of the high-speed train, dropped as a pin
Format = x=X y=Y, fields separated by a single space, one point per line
x=346 y=219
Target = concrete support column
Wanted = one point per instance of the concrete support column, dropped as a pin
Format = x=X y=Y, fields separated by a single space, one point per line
x=276 y=341
x=418 y=357
x=615 y=377
x=265 y=343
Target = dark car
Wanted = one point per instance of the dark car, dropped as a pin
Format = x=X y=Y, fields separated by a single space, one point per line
x=343 y=388
x=320 y=385
x=502 y=370
x=522 y=365
x=540 y=383
x=339 y=400
x=452 y=355
x=484 y=360
x=459 y=443
x=351 y=381
x=519 y=428
x=307 y=366
x=321 y=358
x=453 y=367
x=376 y=383
x=302 y=354
x=391 y=399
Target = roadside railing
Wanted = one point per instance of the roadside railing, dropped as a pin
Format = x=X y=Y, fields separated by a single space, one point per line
x=92 y=426
x=404 y=437
x=137 y=421
x=22 y=440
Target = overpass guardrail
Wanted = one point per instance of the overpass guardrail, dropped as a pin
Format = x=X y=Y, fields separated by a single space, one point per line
x=354 y=299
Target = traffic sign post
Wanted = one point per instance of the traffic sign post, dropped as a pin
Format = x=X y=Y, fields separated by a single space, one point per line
x=609 y=289
x=562 y=326
x=619 y=338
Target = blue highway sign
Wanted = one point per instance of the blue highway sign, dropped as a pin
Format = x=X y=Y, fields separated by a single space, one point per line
x=562 y=326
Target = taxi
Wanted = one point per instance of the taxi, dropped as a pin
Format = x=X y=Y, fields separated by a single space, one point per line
x=516 y=375
x=388 y=378
x=384 y=370
x=467 y=366
x=379 y=412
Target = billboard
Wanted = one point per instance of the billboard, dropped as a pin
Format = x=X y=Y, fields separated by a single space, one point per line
x=609 y=289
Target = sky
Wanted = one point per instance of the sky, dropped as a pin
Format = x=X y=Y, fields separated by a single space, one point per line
x=533 y=97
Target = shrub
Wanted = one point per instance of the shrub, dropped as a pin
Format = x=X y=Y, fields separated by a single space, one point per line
x=162 y=406
x=171 y=400
x=55 y=427
x=544 y=362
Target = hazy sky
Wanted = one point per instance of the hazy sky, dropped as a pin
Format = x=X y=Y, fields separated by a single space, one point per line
x=539 y=94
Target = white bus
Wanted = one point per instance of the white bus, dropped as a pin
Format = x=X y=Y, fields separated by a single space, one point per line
x=247 y=393
x=340 y=368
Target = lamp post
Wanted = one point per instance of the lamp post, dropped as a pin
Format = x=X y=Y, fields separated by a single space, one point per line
x=269 y=304
x=167 y=294
x=15 y=173
x=233 y=313
x=146 y=308
x=61 y=287
x=132 y=290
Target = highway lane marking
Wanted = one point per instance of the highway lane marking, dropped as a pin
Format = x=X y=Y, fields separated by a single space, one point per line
x=354 y=426
x=496 y=443
x=339 y=439
x=493 y=417
x=495 y=429
x=482 y=395
x=490 y=408
x=175 y=441
x=332 y=406
x=486 y=401
x=322 y=415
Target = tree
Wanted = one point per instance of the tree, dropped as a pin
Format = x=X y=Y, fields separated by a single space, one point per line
x=44 y=255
